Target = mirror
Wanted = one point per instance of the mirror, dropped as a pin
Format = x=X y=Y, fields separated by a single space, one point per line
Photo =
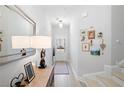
x=14 y=22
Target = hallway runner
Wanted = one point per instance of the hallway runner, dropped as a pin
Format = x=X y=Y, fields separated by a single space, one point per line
x=61 y=68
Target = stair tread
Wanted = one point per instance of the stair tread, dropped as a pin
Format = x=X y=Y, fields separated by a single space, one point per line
x=108 y=81
x=119 y=75
x=92 y=83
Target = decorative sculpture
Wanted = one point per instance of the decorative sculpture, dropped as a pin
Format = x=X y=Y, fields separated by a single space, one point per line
x=16 y=81
x=42 y=61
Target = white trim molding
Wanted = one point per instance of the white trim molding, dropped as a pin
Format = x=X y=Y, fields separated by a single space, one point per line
x=74 y=72
x=110 y=68
x=93 y=74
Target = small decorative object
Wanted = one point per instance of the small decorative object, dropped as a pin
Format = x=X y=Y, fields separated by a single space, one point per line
x=95 y=52
x=29 y=72
x=43 y=42
x=83 y=38
x=85 y=47
x=42 y=61
x=95 y=49
x=100 y=35
x=16 y=81
x=91 y=42
x=83 y=35
x=102 y=46
x=91 y=33
x=23 y=51
x=83 y=32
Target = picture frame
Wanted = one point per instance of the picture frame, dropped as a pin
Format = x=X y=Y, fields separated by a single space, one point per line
x=60 y=44
x=85 y=47
x=29 y=71
x=91 y=34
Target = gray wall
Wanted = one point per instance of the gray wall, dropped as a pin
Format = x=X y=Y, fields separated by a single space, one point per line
x=117 y=49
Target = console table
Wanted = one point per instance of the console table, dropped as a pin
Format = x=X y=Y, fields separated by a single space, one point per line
x=43 y=77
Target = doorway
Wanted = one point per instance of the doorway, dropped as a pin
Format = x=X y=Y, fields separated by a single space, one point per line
x=60 y=42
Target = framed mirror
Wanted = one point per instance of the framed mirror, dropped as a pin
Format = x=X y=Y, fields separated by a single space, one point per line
x=14 y=22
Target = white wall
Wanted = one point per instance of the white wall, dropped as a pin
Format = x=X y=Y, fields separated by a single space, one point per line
x=100 y=18
x=74 y=44
x=117 y=49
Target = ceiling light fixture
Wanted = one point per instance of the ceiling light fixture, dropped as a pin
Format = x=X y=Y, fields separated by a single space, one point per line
x=61 y=25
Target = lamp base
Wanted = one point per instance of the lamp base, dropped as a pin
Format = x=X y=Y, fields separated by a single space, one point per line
x=42 y=66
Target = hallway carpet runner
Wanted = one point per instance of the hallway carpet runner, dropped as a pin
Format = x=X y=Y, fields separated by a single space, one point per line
x=61 y=68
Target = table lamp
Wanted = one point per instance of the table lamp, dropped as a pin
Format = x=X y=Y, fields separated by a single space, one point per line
x=41 y=42
x=21 y=42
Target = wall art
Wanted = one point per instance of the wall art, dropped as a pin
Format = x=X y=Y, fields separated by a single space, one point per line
x=92 y=41
x=86 y=47
x=102 y=46
x=83 y=35
x=100 y=35
x=95 y=51
x=60 y=44
x=91 y=33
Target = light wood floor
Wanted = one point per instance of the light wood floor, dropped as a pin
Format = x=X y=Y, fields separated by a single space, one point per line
x=100 y=80
x=66 y=80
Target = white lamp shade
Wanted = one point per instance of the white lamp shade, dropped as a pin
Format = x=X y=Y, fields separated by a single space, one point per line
x=41 y=42
x=20 y=42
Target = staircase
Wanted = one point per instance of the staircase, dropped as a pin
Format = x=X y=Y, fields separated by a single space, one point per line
x=114 y=79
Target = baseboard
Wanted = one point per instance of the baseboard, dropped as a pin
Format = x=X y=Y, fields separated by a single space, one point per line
x=80 y=78
x=110 y=68
x=107 y=69
x=90 y=75
x=62 y=61
x=74 y=72
x=93 y=74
